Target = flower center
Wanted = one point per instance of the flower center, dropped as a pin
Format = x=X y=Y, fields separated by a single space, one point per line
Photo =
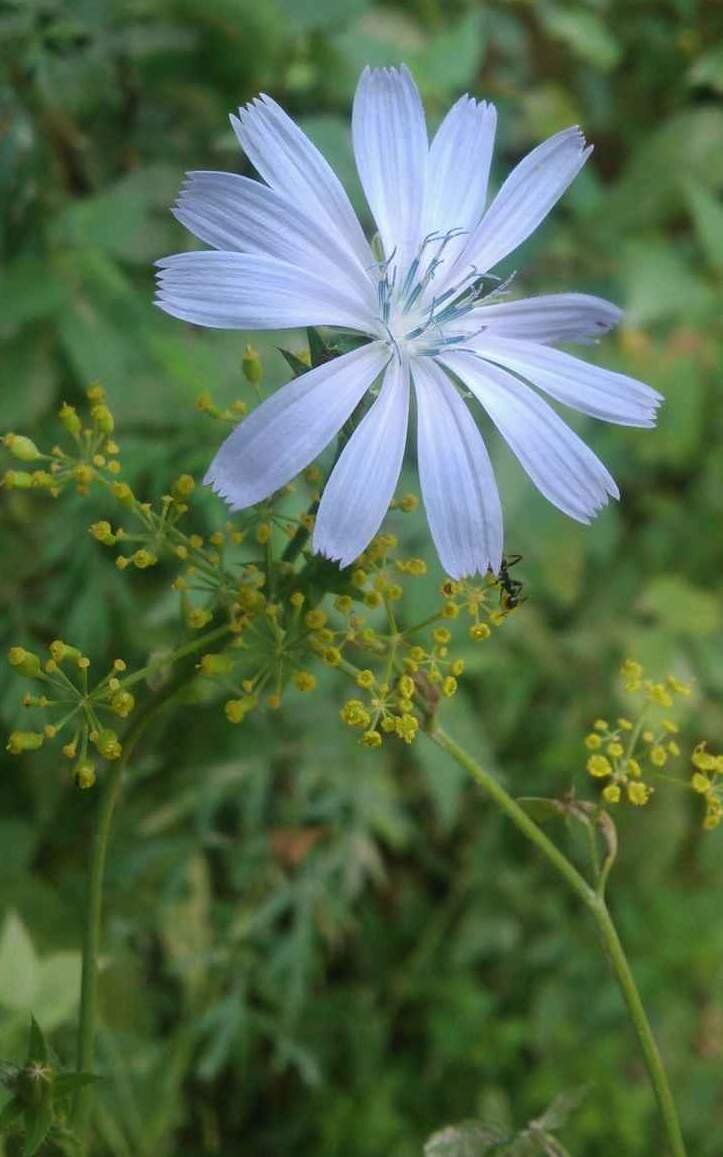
x=417 y=320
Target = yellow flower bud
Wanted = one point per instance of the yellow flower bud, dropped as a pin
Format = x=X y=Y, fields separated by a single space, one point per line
x=108 y=744
x=62 y=652
x=406 y=727
x=216 y=664
x=19 y=741
x=17 y=480
x=142 y=559
x=611 y=793
x=700 y=783
x=69 y=419
x=198 y=618
x=21 y=447
x=639 y=793
x=479 y=631
x=123 y=492
x=183 y=487
x=305 y=681
x=315 y=619
x=371 y=739
x=24 y=662
x=84 y=774
x=237 y=709
x=599 y=766
x=122 y=703
x=102 y=418
x=103 y=532
x=251 y=366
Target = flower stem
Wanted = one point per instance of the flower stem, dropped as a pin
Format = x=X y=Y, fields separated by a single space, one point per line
x=601 y=914
x=98 y=853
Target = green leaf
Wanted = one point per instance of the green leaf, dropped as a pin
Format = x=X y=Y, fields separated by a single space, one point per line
x=37 y=1045
x=585 y=34
x=442 y=63
x=19 y=966
x=318 y=349
x=564 y=1105
x=680 y=607
x=58 y=988
x=38 y=1119
x=10 y=1114
x=707 y=71
x=658 y=280
x=305 y=15
x=297 y=366
x=707 y=213
x=30 y=289
x=66 y=1083
x=137 y=205
x=468 y=1139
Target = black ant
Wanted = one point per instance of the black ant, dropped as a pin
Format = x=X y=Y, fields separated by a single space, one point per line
x=510 y=588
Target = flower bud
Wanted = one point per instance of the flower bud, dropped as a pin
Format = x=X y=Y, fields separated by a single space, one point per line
x=103 y=532
x=218 y=664
x=61 y=651
x=24 y=662
x=20 y=741
x=107 y=743
x=122 y=703
x=69 y=419
x=17 y=480
x=183 y=487
x=123 y=492
x=21 y=447
x=251 y=365
x=143 y=559
x=102 y=418
x=237 y=709
x=84 y=774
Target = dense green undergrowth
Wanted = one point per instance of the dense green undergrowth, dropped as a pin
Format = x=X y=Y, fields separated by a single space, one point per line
x=313 y=948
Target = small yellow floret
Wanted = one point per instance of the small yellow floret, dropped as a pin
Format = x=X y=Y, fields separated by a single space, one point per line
x=611 y=793
x=638 y=793
x=599 y=766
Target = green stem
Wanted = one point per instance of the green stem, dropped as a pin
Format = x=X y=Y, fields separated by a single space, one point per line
x=599 y=910
x=98 y=853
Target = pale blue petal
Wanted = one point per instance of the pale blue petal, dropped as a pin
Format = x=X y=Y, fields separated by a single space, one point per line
x=549 y=318
x=288 y=161
x=363 y=481
x=559 y=463
x=251 y=291
x=235 y=213
x=590 y=389
x=456 y=478
x=458 y=171
x=525 y=199
x=292 y=427
x=390 y=146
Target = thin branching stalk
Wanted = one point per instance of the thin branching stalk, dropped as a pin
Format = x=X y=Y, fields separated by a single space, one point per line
x=96 y=876
x=595 y=903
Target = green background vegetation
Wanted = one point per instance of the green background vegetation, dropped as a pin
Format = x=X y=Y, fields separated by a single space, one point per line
x=311 y=948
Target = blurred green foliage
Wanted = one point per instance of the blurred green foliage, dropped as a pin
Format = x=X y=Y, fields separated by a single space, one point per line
x=311 y=948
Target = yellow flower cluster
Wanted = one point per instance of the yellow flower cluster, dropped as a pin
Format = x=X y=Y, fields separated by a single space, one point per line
x=93 y=451
x=707 y=780
x=277 y=615
x=624 y=754
x=76 y=709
